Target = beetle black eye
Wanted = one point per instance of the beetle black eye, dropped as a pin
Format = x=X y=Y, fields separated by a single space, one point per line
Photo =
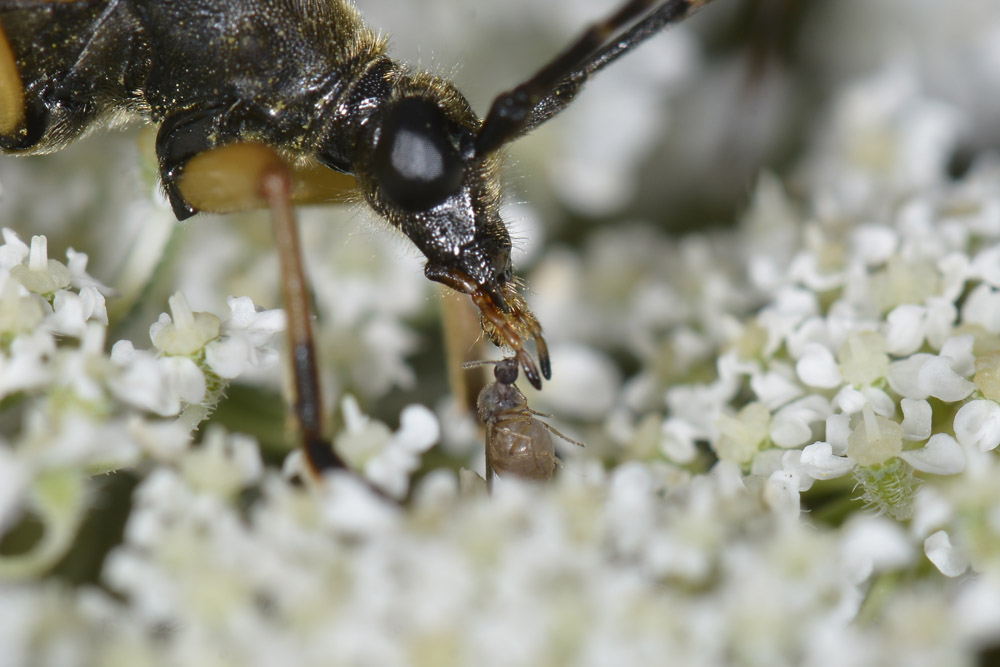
x=415 y=163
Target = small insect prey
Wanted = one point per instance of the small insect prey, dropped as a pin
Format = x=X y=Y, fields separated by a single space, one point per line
x=517 y=443
x=270 y=103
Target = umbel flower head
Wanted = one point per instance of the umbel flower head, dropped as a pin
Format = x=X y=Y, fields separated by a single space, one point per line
x=796 y=463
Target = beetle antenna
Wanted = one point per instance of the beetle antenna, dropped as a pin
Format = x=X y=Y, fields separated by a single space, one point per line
x=553 y=87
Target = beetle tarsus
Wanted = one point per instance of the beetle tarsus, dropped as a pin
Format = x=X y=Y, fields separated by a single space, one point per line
x=543 y=356
x=529 y=368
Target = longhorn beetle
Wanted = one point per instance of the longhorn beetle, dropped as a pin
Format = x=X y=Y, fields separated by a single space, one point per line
x=263 y=103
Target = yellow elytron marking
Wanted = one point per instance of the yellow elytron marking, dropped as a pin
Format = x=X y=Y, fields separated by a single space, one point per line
x=227 y=179
x=11 y=89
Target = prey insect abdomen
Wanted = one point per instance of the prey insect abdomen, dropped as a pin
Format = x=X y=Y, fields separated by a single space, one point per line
x=522 y=446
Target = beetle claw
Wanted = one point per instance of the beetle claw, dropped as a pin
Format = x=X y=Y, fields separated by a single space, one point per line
x=506 y=320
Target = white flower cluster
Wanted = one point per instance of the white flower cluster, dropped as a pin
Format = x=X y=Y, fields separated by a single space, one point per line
x=81 y=410
x=796 y=465
x=876 y=353
x=585 y=571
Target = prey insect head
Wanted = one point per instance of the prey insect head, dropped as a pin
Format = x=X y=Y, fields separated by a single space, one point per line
x=505 y=371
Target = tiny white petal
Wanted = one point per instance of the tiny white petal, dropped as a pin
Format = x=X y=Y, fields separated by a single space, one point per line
x=791 y=461
x=955 y=270
x=874 y=244
x=184 y=378
x=958 y=351
x=941 y=314
x=789 y=431
x=916 y=419
x=904 y=376
x=819 y=462
x=28 y=364
x=781 y=493
x=905 y=332
x=260 y=325
x=986 y=265
x=812 y=331
x=817 y=367
x=354 y=418
x=122 y=352
x=350 y=507
x=678 y=440
x=805 y=268
x=586 y=387
x=942 y=455
x=982 y=306
x=881 y=402
x=977 y=423
x=873 y=544
x=767 y=461
x=849 y=400
x=774 y=389
x=949 y=560
x=13 y=251
x=142 y=382
x=245 y=453
x=390 y=471
x=76 y=262
x=68 y=316
x=94 y=305
x=937 y=378
x=418 y=428
x=791 y=426
x=838 y=430
x=242 y=312
x=229 y=357
x=295 y=465
x=931 y=510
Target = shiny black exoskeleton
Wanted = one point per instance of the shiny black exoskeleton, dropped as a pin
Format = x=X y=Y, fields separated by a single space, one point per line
x=309 y=79
x=305 y=77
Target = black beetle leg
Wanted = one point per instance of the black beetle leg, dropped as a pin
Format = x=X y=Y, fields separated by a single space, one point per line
x=275 y=186
x=181 y=137
x=254 y=172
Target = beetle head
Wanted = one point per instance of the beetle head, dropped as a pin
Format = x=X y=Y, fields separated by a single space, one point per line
x=421 y=172
x=418 y=167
